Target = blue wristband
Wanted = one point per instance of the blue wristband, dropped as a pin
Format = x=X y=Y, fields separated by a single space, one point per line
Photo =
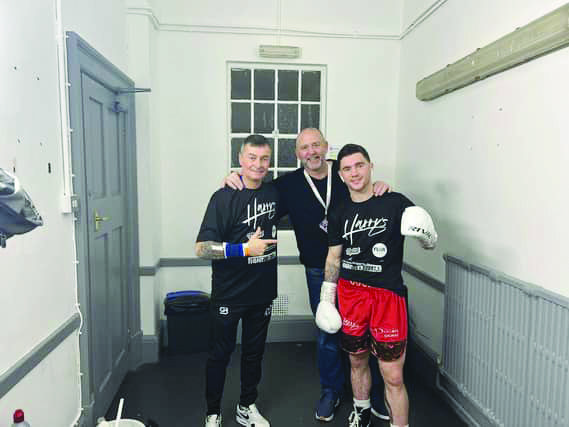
x=233 y=250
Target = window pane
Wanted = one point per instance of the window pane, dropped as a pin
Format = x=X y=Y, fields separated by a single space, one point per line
x=287 y=155
x=264 y=118
x=265 y=84
x=272 y=164
x=240 y=83
x=240 y=117
x=311 y=85
x=310 y=116
x=235 y=147
x=288 y=85
x=288 y=118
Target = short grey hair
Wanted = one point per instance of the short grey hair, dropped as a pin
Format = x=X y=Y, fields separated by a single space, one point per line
x=256 y=141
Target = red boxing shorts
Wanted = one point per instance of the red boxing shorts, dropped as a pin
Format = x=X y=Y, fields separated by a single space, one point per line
x=372 y=319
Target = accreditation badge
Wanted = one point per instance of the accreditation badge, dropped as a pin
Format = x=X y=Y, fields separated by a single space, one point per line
x=324 y=225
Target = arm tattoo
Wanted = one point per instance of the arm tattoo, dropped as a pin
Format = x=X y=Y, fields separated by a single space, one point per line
x=332 y=271
x=210 y=250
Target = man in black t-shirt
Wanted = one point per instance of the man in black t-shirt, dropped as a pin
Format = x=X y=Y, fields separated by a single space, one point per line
x=366 y=236
x=238 y=234
x=307 y=195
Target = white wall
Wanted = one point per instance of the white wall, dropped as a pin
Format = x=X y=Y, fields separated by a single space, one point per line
x=38 y=285
x=362 y=82
x=38 y=270
x=29 y=74
x=49 y=394
x=102 y=24
x=488 y=161
x=361 y=103
x=358 y=17
x=142 y=65
x=413 y=9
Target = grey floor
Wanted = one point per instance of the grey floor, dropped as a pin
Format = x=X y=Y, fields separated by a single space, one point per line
x=171 y=392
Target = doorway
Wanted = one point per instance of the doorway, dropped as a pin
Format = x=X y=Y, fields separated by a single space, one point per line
x=103 y=150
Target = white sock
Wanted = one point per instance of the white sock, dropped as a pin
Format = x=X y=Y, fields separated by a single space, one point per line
x=364 y=404
x=393 y=425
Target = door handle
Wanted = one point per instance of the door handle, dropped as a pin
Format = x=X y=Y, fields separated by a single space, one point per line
x=99 y=219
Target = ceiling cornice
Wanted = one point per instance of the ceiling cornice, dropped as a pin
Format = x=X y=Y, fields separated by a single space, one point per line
x=273 y=31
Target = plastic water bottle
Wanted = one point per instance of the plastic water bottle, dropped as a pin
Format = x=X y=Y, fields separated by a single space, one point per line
x=19 y=420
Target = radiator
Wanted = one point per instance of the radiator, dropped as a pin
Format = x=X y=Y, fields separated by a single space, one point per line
x=505 y=348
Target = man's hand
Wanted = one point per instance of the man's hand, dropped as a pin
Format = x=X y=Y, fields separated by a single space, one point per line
x=380 y=187
x=258 y=246
x=233 y=180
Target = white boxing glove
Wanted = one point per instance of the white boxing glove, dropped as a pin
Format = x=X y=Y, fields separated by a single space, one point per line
x=416 y=222
x=327 y=317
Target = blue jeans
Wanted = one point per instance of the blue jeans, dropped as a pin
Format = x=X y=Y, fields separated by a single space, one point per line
x=330 y=355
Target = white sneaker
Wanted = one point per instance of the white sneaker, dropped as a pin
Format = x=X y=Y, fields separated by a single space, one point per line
x=250 y=417
x=213 y=421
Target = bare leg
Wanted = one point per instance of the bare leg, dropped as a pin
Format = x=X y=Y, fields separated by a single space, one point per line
x=395 y=391
x=361 y=375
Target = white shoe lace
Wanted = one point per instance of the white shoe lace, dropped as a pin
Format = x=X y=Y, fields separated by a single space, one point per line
x=354 y=418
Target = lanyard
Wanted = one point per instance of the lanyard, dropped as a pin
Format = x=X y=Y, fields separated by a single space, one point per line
x=328 y=188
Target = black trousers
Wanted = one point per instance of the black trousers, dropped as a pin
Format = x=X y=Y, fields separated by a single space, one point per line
x=254 y=324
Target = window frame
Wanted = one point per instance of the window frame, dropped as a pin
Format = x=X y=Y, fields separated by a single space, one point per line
x=275 y=170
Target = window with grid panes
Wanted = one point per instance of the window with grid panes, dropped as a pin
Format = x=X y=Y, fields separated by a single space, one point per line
x=276 y=101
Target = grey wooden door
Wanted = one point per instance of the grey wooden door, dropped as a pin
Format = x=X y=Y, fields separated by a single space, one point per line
x=105 y=177
x=104 y=204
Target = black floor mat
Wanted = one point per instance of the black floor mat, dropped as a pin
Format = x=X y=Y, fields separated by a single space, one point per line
x=171 y=392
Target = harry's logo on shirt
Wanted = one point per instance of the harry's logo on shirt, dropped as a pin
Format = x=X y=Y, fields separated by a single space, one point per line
x=374 y=226
x=258 y=210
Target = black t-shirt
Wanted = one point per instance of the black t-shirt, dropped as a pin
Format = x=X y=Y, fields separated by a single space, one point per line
x=306 y=212
x=232 y=216
x=372 y=244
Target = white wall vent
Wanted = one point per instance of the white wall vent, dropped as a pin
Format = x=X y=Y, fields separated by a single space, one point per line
x=277 y=51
